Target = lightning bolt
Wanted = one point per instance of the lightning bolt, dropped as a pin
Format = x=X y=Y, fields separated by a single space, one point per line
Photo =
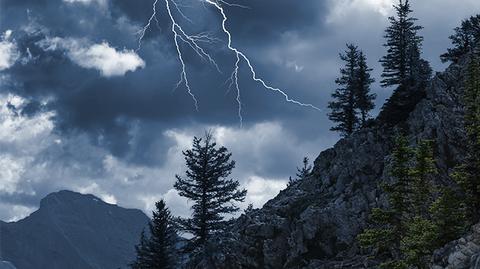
x=241 y=55
x=142 y=31
x=183 y=74
x=194 y=42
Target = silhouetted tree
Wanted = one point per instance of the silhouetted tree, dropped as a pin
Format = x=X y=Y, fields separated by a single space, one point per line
x=465 y=39
x=364 y=100
x=403 y=47
x=213 y=195
x=302 y=172
x=343 y=109
x=156 y=251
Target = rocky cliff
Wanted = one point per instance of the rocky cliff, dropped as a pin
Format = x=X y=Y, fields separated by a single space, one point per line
x=73 y=231
x=314 y=223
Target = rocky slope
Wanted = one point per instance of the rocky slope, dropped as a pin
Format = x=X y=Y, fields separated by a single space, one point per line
x=463 y=253
x=73 y=231
x=314 y=223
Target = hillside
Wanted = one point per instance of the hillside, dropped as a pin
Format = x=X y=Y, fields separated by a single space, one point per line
x=74 y=231
x=314 y=223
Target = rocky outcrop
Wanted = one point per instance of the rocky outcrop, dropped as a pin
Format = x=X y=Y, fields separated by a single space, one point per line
x=314 y=223
x=463 y=253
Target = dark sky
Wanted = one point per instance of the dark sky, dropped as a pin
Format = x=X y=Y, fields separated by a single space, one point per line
x=82 y=108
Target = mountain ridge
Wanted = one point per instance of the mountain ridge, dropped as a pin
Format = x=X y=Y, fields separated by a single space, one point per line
x=72 y=230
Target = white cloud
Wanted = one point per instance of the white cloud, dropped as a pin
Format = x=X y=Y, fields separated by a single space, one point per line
x=37 y=161
x=19 y=211
x=24 y=136
x=260 y=190
x=102 y=3
x=8 y=51
x=94 y=189
x=108 y=60
x=343 y=10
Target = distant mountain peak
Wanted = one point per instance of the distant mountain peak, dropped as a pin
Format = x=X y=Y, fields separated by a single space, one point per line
x=75 y=231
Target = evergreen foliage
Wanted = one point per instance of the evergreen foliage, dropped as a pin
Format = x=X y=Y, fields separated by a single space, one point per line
x=305 y=170
x=403 y=66
x=406 y=233
x=465 y=39
x=353 y=96
x=388 y=225
x=342 y=107
x=421 y=187
x=364 y=100
x=156 y=251
x=214 y=196
x=418 y=242
x=403 y=47
x=467 y=175
x=302 y=172
x=448 y=212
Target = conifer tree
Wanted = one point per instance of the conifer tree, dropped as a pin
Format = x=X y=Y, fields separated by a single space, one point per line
x=388 y=225
x=403 y=43
x=343 y=109
x=448 y=214
x=465 y=39
x=143 y=259
x=418 y=242
x=364 y=100
x=421 y=188
x=213 y=195
x=302 y=172
x=305 y=170
x=405 y=234
x=156 y=251
x=467 y=175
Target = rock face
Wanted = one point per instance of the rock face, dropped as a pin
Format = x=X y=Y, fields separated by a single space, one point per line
x=73 y=231
x=314 y=223
x=463 y=253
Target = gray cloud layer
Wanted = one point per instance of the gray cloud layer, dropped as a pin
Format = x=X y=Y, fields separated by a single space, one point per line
x=114 y=123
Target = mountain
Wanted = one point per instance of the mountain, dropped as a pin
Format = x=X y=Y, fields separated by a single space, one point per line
x=74 y=231
x=314 y=223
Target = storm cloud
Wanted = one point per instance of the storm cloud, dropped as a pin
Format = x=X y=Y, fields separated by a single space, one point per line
x=84 y=107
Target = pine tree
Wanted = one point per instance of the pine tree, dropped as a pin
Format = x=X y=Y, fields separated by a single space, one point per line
x=156 y=251
x=343 y=110
x=421 y=190
x=448 y=214
x=206 y=184
x=302 y=172
x=467 y=175
x=388 y=225
x=364 y=100
x=305 y=170
x=465 y=39
x=405 y=233
x=402 y=41
x=420 y=69
x=143 y=259
x=418 y=242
